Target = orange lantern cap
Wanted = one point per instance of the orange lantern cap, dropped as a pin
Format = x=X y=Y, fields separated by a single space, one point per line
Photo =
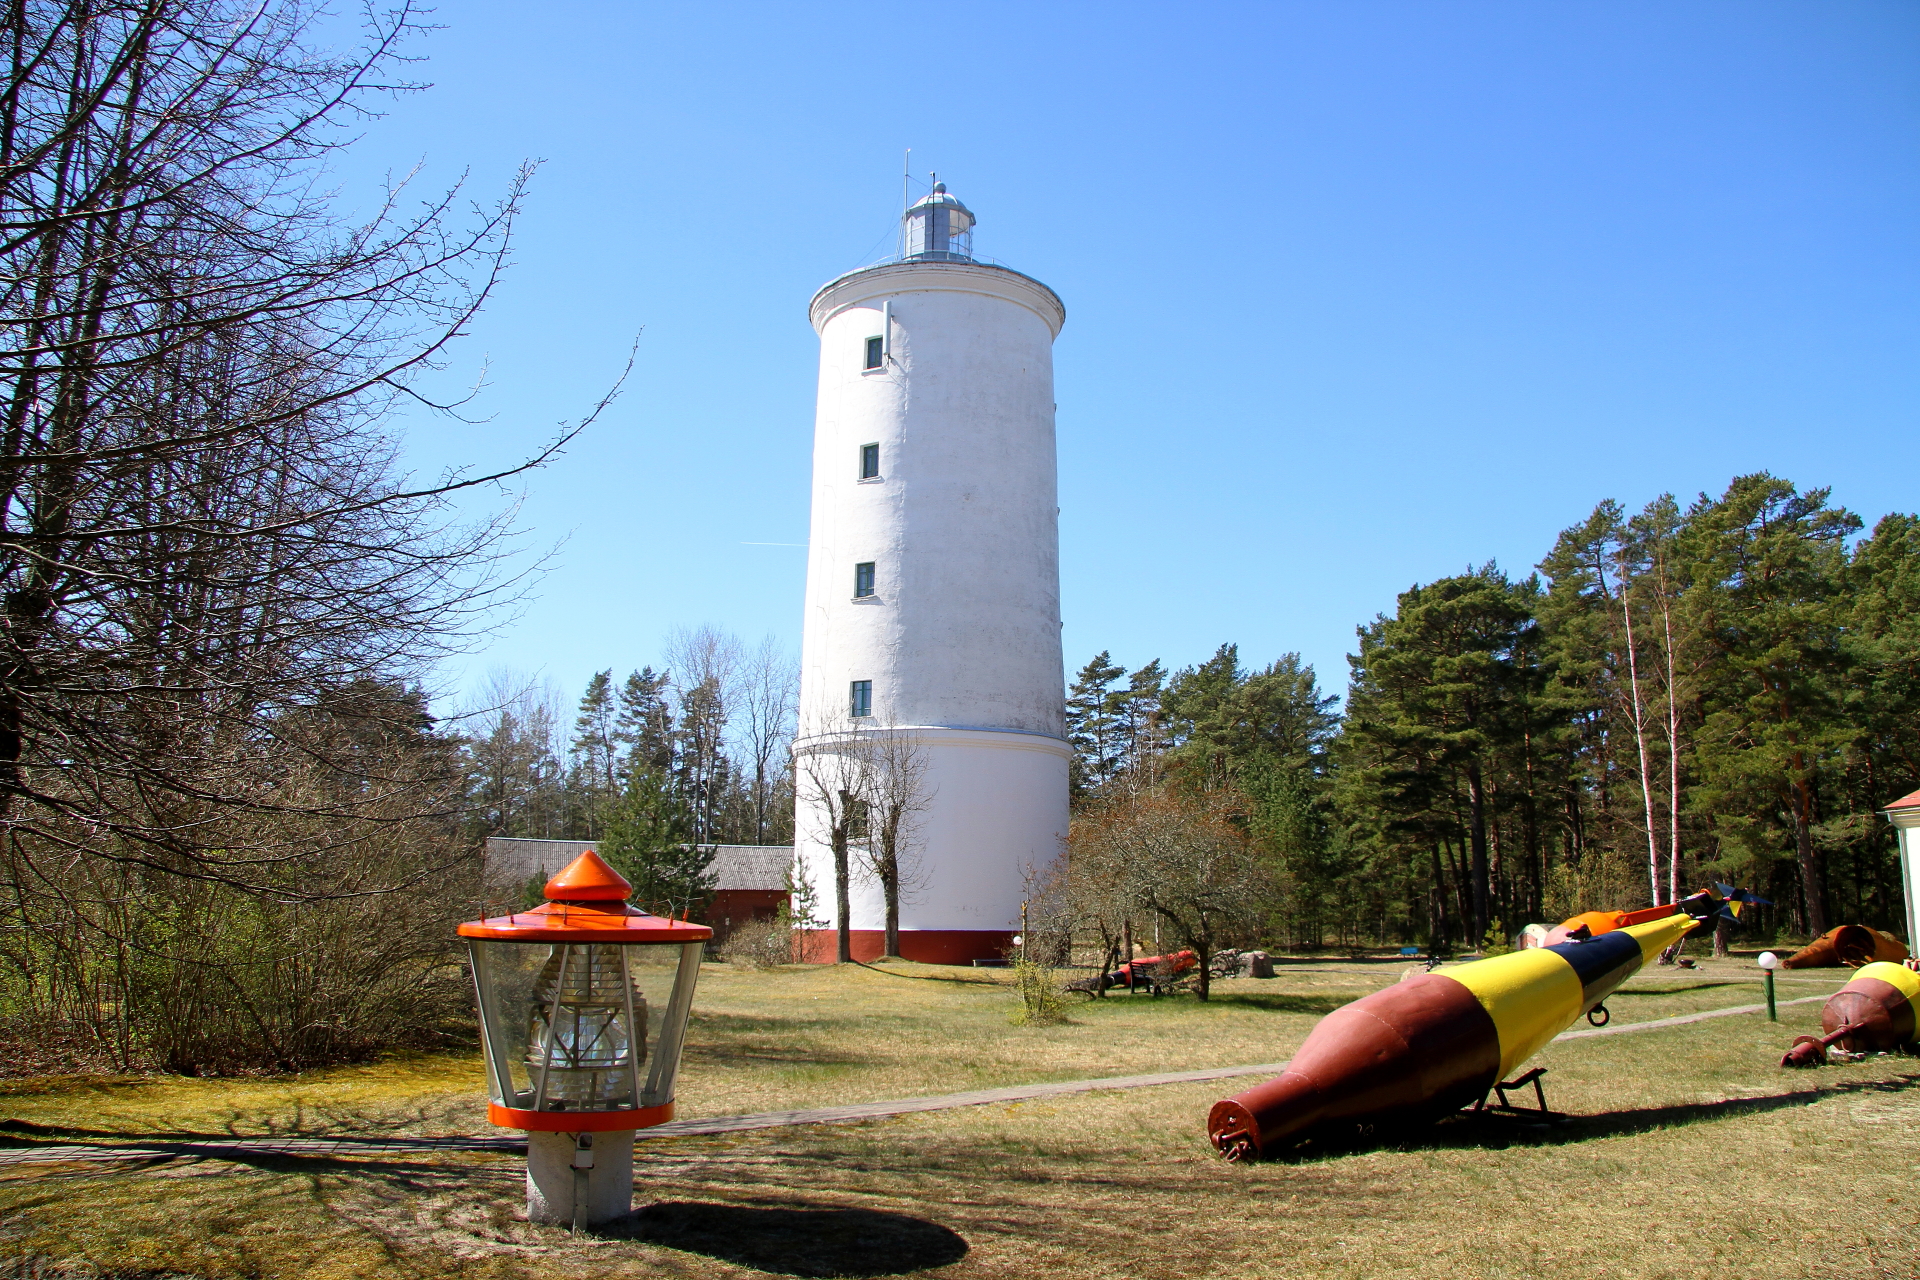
x=588 y=904
x=588 y=879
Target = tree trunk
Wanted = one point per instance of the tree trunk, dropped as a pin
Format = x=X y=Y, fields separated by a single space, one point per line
x=1640 y=745
x=1536 y=858
x=1673 y=759
x=1810 y=886
x=890 y=885
x=842 y=899
x=890 y=876
x=1126 y=948
x=1477 y=829
x=1437 y=906
x=1205 y=950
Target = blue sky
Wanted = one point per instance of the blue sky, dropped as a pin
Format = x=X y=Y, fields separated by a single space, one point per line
x=1358 y=294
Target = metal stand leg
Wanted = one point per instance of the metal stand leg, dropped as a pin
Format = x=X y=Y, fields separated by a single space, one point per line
x=1504 y=1107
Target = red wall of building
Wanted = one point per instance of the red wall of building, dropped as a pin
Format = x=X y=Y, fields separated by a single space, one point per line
x=733 y=907
x=928 y=946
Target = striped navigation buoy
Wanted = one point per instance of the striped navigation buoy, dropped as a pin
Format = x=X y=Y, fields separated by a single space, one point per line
x=1437 y=1042
x=1872 y=1013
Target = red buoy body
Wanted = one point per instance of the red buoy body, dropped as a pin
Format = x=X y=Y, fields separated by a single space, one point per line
x=1874 y=1013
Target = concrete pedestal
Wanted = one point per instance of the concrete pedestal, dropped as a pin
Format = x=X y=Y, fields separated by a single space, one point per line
x=566 y=1178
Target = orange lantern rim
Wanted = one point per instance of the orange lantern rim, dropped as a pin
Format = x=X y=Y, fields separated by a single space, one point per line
x=572 y=922
x=578 y=1121
x=587 y=904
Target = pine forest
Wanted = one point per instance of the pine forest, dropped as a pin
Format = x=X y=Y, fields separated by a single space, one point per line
x=1725 y=691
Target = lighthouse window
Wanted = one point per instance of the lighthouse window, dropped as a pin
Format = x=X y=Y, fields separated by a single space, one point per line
x=876 y=352
x=861 y=702
x=869 y=462
x=863 y=580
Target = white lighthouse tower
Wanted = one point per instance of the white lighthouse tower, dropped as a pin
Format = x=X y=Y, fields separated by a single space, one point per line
x=933 y=584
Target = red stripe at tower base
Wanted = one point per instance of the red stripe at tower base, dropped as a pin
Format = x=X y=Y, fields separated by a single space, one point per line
x=928 y=946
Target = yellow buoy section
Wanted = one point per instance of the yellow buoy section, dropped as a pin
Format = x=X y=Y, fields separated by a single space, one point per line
x=1535 y=994
x=1656 y=936
x=1897 y=976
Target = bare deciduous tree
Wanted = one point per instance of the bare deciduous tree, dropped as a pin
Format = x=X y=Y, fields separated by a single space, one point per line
x=209 y=551
x=1183 y=859
x=203 y=524
x=897 y=791
x=833 y=771
x=706 y=664
x=769 y=689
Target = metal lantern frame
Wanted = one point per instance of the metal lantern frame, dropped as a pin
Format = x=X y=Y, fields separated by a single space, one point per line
x=587 y=910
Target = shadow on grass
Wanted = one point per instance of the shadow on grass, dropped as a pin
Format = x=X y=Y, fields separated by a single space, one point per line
x=1275 y=1003
x=723 y=1053
x=1492 y=1132
x=240 y=1147
x=732 y=1037
x=795 y=1240
x=1674 y=991
x=1278 y=1003
x=981 y=983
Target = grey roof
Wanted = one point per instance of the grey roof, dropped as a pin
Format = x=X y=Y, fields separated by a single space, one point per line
x=737 y=867
x=752 y=866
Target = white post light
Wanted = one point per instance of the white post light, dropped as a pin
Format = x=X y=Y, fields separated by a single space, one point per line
x=1768 y=963
x=583 y=1011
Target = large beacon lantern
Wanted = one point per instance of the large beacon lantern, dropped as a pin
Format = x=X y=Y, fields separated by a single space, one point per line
x=583 y=1009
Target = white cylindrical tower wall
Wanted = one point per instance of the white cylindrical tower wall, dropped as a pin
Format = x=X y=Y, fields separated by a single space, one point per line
x=952 y=411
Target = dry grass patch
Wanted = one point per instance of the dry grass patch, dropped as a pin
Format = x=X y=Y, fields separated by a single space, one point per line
x=1690 y=1152
x=407 y=1094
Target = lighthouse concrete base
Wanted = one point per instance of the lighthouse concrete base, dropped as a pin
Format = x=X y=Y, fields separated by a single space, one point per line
x=570 y=1184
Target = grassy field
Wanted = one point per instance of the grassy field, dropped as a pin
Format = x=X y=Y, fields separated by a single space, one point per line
x=1690 y=1152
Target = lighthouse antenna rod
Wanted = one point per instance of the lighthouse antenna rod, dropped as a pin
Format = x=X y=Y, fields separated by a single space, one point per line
x=906 y=186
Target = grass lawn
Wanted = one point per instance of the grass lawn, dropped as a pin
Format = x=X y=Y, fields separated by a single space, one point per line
x=1690 y=1152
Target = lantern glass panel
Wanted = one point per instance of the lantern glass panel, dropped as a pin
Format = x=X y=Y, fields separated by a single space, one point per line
x=583 y=1026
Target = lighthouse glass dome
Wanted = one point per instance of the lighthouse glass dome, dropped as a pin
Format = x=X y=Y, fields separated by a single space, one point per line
x=581 y=1027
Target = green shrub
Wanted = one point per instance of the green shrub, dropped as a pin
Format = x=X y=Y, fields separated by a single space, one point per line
x=760 y=944
x=1041 y=1003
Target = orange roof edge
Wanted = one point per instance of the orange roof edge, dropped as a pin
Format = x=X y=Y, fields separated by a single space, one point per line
x=1909 y=801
